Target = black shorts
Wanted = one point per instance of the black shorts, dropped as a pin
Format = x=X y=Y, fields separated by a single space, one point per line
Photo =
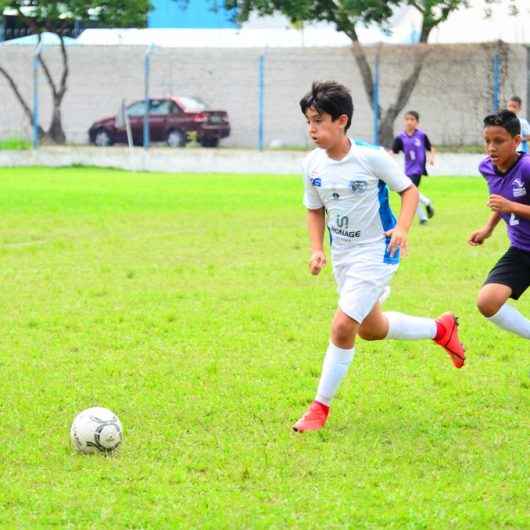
x=513 y=270
x=416 y=179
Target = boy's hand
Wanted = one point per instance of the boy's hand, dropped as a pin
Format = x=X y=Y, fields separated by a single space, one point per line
x=398 y=240
x=479 y=236
x=317 y=262
x=499 y=204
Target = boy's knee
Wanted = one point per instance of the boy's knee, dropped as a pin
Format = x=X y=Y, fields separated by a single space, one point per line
x=371 y=334
x=488 y=306
x=342 y=329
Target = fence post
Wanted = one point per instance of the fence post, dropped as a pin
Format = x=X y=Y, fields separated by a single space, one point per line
x=496 y=82
x=36 y=116
x=261 y=101
x=375 y=101
x=147 y=68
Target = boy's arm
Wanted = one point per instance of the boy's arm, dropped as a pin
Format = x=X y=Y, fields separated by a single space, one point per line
x=387 y=170
x=316 y=224
x=399 y=234
x=431 y=151
x=478 y=236
x=500 y=204
x=431 y=156
x=397 y=145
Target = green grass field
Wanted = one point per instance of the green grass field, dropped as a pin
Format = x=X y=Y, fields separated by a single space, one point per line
x=183 y=303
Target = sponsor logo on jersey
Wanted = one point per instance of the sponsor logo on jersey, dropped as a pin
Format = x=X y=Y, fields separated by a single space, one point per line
x=358 y=186
x=316 y=181
x=342 y=221
x=518 y=188
x=346 y=233
x=341 y=227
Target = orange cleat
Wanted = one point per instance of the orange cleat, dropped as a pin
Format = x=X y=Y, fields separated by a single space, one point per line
x=447 y=338
x=314 y=419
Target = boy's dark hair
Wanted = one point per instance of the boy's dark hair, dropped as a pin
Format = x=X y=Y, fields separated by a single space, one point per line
x=413 y=113
x=505 y=119
x=517 y=99
x=330 y=97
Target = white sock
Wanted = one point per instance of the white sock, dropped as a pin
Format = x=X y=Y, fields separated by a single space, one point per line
x=508 y=318
x=402 y=326
x=424 y=199
x=421 y=213
x=336 y=363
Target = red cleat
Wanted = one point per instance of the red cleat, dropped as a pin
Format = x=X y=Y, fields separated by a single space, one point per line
x=315 y=418
x=447 y=338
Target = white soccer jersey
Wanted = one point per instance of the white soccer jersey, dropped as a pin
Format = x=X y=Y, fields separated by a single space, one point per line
x=354 y=194
x=525 y=131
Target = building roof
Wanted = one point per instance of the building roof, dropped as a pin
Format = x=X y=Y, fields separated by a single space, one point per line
x=47 y=39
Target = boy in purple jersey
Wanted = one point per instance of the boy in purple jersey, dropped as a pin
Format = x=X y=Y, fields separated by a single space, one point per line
x=507 y=173
x=418 y=150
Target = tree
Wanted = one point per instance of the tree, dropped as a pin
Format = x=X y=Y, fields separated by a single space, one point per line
x=347 y=15
x=57 y=17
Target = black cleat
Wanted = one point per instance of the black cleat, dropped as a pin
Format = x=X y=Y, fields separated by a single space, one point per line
x=430 y=211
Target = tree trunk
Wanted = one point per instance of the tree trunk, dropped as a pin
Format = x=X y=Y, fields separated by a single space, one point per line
x=21 y=100
x=406 y=88
x=55 y=133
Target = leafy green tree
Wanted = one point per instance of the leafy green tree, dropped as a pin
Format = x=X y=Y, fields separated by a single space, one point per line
x=57 y=17
x=347 y=15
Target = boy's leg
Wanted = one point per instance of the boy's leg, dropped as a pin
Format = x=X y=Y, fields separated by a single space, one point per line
x=420 y=210
x=421 y=213
x=392 y=325
x=337 y=360
x=492 y=304
x=425 y=201
x=509 y=278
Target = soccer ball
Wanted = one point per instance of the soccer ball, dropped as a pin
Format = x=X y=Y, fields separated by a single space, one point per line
x=96 y=430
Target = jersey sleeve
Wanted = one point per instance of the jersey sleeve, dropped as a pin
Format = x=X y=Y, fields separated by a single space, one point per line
x=428 y=145
x=312 y=200
x=385 y=168
x=397 y=146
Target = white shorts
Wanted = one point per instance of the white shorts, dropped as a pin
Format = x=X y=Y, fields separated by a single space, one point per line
x=362 y=282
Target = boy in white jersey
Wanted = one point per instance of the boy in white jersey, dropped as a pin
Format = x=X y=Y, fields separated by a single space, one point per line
x=345 y=186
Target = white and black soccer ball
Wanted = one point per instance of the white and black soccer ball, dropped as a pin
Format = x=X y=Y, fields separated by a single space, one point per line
x=96 y=430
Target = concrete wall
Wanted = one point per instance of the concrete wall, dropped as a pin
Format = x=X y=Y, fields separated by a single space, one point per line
x=453 y=94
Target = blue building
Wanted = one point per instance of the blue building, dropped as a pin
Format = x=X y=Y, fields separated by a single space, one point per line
x=197 y=14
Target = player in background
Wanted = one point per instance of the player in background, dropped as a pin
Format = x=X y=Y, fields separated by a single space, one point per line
x=418 y=151
x=345 y=187
x=507 y=173
x=515 y=105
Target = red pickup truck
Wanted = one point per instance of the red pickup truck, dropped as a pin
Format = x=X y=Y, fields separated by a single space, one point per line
x=171 y=120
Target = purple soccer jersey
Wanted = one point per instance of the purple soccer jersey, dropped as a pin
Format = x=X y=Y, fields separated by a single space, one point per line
x=414 y=147
x=514 y=186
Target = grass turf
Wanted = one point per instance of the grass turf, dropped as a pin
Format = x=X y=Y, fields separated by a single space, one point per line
x=183 y=303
